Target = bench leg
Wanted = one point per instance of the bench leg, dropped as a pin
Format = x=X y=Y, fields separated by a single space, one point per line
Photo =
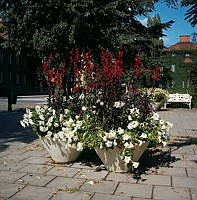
x=190 y=105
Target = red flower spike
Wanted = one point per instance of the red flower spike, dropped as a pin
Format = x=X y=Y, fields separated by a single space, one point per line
x=75 y=88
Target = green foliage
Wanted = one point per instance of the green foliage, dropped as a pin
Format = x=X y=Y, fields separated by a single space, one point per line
x=48 y=26
x=191 y=14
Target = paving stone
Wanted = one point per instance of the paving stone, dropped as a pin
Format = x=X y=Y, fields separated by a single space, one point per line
x=9 y=189
x=79 y=195
x=121 y=177
x=11 y=166
x=188 y=150
x=135 y=190
x=189 y=182
x=36 y=160
x=15 y=158
x=193 y=193
x=140 y=199
x=155 y=180
x=177 y=156
x=190 y=157
x=39 y=153
x=62 y=182
x=170 y=193
x=183 y=163
x=63 y=171
x=10 y=177
x=178 y=171
x=82 y=165
x=35 y=179
x=39 y=169
x=192 y=172
x=99 y=196
x=91 y=174
x=106 y=187
x=33 y=192
x=2 y=154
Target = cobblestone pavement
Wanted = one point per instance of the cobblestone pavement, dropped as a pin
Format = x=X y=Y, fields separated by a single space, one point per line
x=28 y=173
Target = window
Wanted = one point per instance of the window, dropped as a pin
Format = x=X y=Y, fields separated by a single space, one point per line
x=187 y=83
x=17 y=60
x=173 y=83
x=1 y=77
x=183 y=84
x=1 y=56
x=187 y=55
x=17 y=78
x=173 y=68
x=24 y=79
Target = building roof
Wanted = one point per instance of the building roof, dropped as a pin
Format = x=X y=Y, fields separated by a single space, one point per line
x=183 y=45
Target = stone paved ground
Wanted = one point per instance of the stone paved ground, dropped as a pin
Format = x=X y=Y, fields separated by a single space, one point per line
x=28 y=173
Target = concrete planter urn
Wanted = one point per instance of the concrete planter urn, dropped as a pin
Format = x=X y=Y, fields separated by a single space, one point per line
x=59 y=151
x=113 y=161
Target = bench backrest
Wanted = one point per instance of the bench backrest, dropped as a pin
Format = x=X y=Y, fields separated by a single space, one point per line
x=179 y=98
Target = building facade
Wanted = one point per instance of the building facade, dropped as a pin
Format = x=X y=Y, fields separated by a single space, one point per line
x=182 y=60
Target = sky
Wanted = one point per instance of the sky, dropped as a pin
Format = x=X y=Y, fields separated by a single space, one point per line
x=179 y=27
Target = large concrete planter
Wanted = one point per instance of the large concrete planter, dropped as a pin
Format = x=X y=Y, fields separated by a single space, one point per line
x=112 y=158
x=58 y=151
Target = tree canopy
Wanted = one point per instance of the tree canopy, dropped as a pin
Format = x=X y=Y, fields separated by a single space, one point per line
x=55 y=26
x=191 y=14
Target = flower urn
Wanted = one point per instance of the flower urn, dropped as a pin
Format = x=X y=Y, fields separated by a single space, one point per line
x=59 y=151
x=113 y=160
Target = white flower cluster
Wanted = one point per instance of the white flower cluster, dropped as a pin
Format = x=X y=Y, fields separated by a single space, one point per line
x=119 y=104
x=46 y=122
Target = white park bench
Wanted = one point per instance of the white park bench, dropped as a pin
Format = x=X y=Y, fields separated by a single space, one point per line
x=179 y=98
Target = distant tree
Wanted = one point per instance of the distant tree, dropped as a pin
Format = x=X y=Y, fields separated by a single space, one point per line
x=194 y=37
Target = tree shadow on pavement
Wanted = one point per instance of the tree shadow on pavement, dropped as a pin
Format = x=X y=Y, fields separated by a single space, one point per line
x=11 y=130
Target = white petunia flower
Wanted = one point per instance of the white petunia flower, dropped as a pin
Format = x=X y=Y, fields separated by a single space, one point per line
x=61 y=134
x=43 y=129
x=81 y=96
x=155 y=116
x=101 y=103
x=84 y=108
x=61 y=117
x=115 y=143
x=66 y=111
x=56 y=124
x=111 y=134
x=79 y=146
x=129 y=117
x=120 y=131
x=132 y=125
x=126 y=137
x=135 y=164
x=37 y=109
x=41 y=123
x=22 y=124
x=41 y=117
x=127 y=159
x=143 y=136
x=128 y=145
x=49 y=133
x=109 y=144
